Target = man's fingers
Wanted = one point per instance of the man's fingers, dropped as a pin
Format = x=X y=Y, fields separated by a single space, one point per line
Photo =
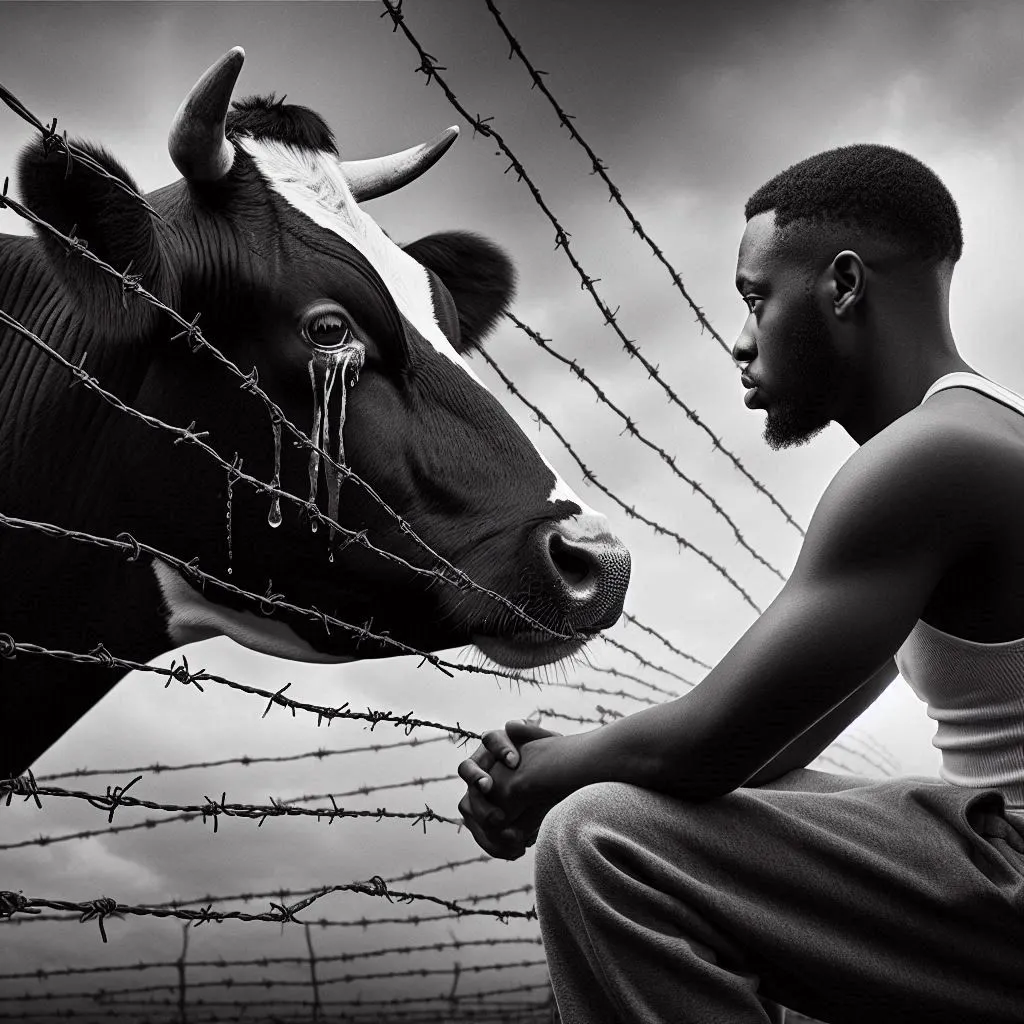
x=506 y=843
x=478 y=807
x=474 y=776
x=483 y=757
x=520 y=732
x=501 y=747
x=483 y=840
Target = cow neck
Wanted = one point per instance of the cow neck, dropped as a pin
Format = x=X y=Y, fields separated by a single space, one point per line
x=60 y=464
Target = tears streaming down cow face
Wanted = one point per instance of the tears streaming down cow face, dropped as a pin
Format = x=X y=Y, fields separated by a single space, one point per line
x=266 y=240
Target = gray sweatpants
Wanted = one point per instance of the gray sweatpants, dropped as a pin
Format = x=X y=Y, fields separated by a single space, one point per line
x=850 y=900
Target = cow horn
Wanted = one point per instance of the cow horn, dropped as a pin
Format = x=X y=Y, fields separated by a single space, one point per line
x=197 y=142
x=369 y=179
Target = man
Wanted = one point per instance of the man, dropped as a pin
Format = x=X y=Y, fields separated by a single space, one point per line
x=687 y=869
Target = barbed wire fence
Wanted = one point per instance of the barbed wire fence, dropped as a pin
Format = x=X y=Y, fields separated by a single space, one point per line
x=429 y=981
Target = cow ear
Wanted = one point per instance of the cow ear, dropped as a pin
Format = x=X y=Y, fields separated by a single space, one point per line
x=114 y=225
x=480 y=277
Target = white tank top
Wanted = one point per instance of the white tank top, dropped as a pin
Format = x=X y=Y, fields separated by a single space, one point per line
x=974 y=691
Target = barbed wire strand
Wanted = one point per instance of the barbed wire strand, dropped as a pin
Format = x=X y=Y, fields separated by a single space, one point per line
x=875 y=744
x=653 y=687
x=634 y=621
x=132 y=547
x=44 y=974
x=395 y=1001
x=430 y=68
x=246 y=760
x=271 y=983
x=283 y=894
x=99 y=909
x=263 y=1005
x=645 y=662
x=116 y=797
x=365 y=790
x=605 y=715
x=880 y=766
x=9 y=647
x=52 y=141
x=522 y=1011
x=510 y=1011
x=602 y=691
x=181 y=673
x=470 y=997
x=494 y=1013
x=8 y=899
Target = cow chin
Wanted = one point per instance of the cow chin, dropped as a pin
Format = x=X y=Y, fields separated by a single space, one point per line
x=527 y=650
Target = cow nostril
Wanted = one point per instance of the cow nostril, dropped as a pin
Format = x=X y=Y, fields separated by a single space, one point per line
x=584 y=569
x=573 y=565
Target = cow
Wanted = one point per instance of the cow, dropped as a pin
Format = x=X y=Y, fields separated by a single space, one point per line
x=360 y=342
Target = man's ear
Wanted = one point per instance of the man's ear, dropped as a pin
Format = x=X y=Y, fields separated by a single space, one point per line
x=115 y=226
x=479 y=276
x=849 y=279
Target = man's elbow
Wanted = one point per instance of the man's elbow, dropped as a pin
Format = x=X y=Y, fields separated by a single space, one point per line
x=701 y=790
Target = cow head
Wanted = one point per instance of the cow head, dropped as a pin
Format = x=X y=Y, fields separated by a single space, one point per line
x=362 y=344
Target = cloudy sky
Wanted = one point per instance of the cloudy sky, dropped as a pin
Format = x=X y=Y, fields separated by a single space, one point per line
x=691 y=106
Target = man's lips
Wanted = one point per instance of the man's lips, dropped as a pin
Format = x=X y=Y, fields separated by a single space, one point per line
x=750 y=395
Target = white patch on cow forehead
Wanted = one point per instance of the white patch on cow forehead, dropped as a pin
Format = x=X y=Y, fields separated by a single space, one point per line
x=313 y=183
x=192 y=617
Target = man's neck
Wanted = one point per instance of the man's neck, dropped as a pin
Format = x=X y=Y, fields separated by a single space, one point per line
x=895 y=376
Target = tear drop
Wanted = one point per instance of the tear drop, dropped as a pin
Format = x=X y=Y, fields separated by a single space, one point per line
x=323 y=372
x=227 y=514
x=314 y=455
x=274 y=517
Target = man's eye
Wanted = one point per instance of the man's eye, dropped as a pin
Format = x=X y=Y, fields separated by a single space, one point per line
x=751 y=301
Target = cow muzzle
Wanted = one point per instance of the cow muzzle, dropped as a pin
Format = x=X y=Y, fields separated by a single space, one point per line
x=580 y=572
x=581 y=562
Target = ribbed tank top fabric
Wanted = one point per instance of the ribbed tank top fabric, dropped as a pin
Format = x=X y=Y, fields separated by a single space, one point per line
x=974 y=691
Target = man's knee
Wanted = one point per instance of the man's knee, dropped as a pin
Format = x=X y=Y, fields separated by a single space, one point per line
x=572 y=829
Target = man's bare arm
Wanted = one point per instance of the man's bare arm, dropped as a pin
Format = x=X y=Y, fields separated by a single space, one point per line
x=808 y=745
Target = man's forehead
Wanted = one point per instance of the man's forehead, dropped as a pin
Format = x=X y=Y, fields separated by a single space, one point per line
x=766 y=250
x=758 y=244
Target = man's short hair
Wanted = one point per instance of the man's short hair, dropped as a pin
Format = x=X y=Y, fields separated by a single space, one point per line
x=876 y=189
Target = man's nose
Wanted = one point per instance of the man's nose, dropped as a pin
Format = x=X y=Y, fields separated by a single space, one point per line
x=744 y=349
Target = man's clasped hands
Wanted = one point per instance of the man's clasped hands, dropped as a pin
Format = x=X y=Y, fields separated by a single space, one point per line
x=511 y=783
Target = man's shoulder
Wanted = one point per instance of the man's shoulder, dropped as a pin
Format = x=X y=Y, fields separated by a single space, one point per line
x=944 y=466
x=957 y=435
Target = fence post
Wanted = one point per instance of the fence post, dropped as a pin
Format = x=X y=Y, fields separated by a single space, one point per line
x=312 y=975
x=182 y=1006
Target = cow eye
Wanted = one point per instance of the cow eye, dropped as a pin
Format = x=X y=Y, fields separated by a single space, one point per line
x=328 y=329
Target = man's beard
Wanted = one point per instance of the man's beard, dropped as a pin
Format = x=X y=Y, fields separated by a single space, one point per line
x=811 y=378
